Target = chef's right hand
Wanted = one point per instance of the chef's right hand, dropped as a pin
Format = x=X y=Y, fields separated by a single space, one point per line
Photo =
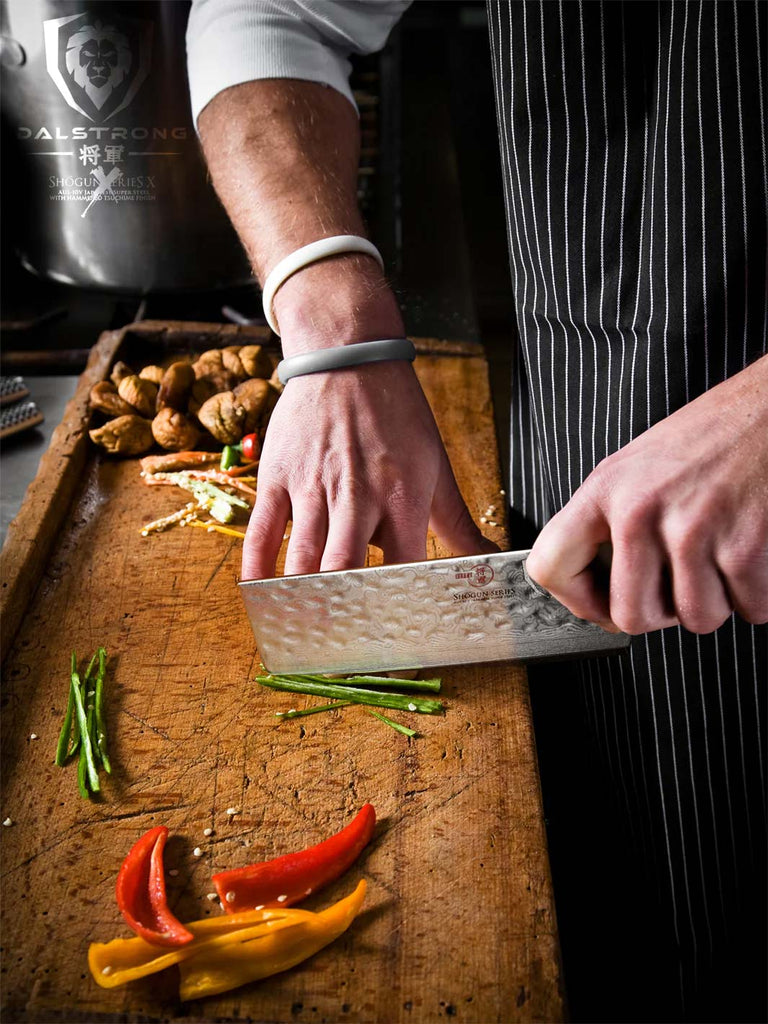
x=351 y=456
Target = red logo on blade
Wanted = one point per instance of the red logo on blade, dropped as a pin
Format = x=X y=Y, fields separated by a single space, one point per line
x=482 y=575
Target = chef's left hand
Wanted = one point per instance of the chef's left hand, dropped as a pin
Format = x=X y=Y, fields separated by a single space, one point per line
x=685 y=508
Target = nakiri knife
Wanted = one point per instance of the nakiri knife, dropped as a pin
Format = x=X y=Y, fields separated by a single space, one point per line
x=445 y=611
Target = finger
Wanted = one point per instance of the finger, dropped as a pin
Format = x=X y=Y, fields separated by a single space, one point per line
x=402 y=538
x=265 y=533
x=745 y=580
x=308 y=537
x=347 y=543
x=701 y=600
x=641 y=599
x=451 y=521
x=562 y=560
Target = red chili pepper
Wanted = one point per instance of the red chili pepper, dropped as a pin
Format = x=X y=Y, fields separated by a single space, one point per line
x=251 y=447
x=140 y=893
x=291 y=878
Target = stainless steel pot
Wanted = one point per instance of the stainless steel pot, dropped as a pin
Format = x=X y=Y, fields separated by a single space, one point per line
x=113 y=185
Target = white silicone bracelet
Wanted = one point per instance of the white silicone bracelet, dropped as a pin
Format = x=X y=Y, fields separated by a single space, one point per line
x=345 y=355
x=311 y=254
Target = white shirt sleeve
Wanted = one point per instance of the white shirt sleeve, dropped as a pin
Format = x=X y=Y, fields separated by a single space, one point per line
x=235 y=41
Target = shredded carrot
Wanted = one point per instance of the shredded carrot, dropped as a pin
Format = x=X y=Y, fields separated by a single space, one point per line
x=215 y=528
x=242 y=470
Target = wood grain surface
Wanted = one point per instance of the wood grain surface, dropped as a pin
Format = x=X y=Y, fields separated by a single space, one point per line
x=459 y=919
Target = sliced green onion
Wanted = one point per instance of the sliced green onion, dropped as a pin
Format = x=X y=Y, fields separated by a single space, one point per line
x=313 y=711
x=86 y=751
x=101 y=732
x=352 y=694
x=432 y=685
x=62 y=747
x=395 y=725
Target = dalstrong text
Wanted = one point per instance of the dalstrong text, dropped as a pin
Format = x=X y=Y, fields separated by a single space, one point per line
x=102 y=132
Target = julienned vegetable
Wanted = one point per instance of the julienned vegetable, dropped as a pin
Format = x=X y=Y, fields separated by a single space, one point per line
x=431 y=685
x=227 y=952
x=395 y=725
x=353 y=694
x=83 y=730
x=140 y=892
x=289 y=879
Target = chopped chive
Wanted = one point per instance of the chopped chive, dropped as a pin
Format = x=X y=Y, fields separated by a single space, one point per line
x=85 y=737
x=62 y=747
x=101 y=732
x=432 y=685
x=313 y=711
x=82 y=774
x=395 y=725
x=354 y=695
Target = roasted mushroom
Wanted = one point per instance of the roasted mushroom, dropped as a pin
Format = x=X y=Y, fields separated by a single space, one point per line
x=141 y=394
x=176 y=386
x=211 y=366
x=255 y=360
x=104 y=398
x=257 y=397
x=231 y=361
x=120 y=370
x=126 y=435
x=174 y=431
x=224 y=417
x=153 y=373
x=201 y=391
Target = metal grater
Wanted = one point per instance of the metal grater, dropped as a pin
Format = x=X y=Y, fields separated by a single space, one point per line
x=12 y=389
x=18 y=417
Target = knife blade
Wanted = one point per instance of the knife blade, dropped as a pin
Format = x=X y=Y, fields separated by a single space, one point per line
x=444 y=611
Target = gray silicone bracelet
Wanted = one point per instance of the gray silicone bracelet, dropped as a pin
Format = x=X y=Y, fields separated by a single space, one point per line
x=345 y=355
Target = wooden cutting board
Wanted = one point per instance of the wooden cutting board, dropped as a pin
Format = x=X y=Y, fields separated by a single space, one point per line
x=459 y=919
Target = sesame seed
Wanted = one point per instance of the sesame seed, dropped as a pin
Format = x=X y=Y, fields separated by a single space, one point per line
x=33 y=736
x=211 y=896
x=308 y=891
x=106 y=970
x=145 y=533
x=483 y=519
x=232 y=810
x=173 y=872
x=491 y=522
x=197 y=852
x=502 y=492
x=207 y=831
x=260 y=907
x=281 y=899
x=411 y=707
x=231 y=897
x=7 y=822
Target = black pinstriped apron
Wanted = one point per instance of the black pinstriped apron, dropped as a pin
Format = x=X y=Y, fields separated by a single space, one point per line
x=633 y=145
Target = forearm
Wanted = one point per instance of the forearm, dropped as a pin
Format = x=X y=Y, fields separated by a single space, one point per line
x=283 y=158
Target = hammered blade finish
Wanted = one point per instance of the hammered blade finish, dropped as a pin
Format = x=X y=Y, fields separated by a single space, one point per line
x=449 y=611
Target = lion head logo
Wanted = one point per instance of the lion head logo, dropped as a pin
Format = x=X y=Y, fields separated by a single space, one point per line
x=98 y=58
x=98 y=66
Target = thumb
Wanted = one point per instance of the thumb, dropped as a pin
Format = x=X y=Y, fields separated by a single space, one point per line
x=565 y=561
x=451 y=521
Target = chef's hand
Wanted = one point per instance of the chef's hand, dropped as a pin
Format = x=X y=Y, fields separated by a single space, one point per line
x=351 y=456
x=685 y=507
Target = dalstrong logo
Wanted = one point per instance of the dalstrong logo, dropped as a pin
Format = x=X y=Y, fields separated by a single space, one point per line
x=98 y=65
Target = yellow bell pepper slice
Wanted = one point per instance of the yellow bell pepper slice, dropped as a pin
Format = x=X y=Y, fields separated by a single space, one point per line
x=228 y=951
x=122 y=960
x=248 y=956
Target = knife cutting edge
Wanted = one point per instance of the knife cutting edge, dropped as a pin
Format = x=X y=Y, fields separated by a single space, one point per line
x=444 y=611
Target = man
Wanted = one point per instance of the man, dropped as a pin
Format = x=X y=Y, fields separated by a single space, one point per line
x=633 y=146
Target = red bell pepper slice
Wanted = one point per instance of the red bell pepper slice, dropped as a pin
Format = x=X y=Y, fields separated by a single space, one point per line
x=141 y=896
x=291 y=878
